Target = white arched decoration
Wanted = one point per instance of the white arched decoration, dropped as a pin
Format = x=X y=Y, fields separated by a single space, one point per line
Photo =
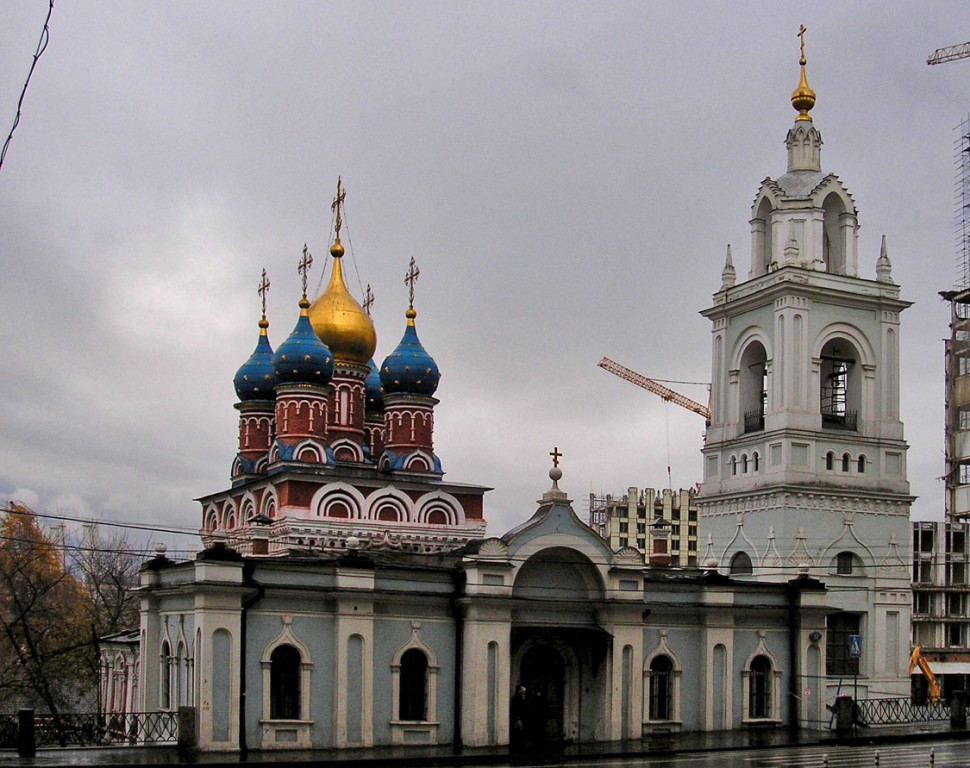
x=210 y=518
x=346 y=446
x=775 y=683
x=391 y=497
x=310 y=452
x=419 y=461
x=274 y=730
x=269 y=502
x=439 y=501
x=429 y=726
x=338 y=493
x=247 y=507
x=662 y=649
x=230 y=515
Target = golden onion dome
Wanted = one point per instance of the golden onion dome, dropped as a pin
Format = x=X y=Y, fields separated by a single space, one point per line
x=339 y=321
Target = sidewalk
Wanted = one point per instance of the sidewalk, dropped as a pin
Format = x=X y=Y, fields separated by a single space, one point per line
x=444 y=755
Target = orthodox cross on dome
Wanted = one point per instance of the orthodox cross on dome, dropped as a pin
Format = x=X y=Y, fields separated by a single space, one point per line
x=556 y=455
x=410 y=278
x=263 y=290
x=802 y=29
x=368 y=300
x=304 y=267
x=338 y=201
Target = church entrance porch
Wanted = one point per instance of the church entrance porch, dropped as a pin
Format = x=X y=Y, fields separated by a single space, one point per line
x=565 y=672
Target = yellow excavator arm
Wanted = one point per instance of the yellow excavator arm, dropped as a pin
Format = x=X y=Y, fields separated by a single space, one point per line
x=917 y=660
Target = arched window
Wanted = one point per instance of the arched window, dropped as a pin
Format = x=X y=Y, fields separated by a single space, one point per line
x=755 y=460
x=284 y=677
x=165 y=677
x=734 y=465
x=861 y=464
x=661 y=688
x=414 y=675
x=845 y=462
x=759 y=693
x=848 y=564
x=744 y=463
x=741 y=564
x=761 y=234
x=830 y=461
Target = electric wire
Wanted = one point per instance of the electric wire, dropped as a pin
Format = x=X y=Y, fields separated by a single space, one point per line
x=42 y=43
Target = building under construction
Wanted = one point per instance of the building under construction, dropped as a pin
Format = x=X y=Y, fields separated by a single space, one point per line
x=661 y=524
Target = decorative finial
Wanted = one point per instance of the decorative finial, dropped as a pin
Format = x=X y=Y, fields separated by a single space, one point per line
x=368 y=300
x=729 y=275
x=556 y=455
x=884 y=268
x=803 y=99
x=304 y=270
x=410 y=278
x=262 y=291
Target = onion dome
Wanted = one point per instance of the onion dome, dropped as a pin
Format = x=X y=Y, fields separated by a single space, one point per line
x=256 y=378
x=374 y=392
x=339 y=321
x=410 y=369
x=303 y=358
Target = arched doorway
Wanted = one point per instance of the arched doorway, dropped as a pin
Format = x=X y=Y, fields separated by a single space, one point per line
x=543 y=673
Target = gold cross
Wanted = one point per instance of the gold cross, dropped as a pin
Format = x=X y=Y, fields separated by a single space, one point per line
x=304 y=267
x=802 y=29
x=555 y=456
x=262 y=290
x=368 y=300
x=410 y=278
x=338 y=201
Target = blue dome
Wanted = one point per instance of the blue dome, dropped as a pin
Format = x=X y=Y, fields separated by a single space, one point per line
x=374 y=392
x=256 y=378
x=409 y=368
x=303 y=358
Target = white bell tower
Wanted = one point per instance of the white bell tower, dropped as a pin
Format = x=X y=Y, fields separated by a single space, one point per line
x=804 y=458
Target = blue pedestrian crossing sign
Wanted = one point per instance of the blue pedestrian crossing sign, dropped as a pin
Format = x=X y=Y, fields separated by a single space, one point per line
x=855 y=646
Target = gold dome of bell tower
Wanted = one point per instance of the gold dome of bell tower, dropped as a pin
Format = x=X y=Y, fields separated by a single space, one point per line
x=803 y=98
x=338 y=320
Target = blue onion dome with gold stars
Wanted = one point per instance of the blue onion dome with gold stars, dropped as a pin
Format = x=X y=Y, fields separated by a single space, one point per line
x=373 y=391
x=339 y=320
x=256 y=377
x=409 y=369
x=303 y=358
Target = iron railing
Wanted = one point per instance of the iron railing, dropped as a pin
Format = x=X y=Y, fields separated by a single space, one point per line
x=89 y=729
x=754 y=421
x=848 y=421
x=897 y=711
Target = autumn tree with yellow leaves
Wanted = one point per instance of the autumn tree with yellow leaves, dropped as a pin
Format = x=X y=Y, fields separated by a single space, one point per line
x=54 y=603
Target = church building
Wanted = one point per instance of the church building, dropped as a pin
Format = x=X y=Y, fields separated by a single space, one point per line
x=348 y=596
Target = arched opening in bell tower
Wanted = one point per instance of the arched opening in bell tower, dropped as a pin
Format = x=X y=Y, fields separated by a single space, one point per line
x=754 y=386
x=840 y=388
x=833 y=240
x=761 y=237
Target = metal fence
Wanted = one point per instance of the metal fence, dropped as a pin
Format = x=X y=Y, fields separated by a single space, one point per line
x=898 y=711
x=90 y=729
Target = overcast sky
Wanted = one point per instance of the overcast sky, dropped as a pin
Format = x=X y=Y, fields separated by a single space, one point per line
x=566 y=175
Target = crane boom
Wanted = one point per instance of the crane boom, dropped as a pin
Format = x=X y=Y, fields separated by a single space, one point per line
x=658 y=389
x=953 y=52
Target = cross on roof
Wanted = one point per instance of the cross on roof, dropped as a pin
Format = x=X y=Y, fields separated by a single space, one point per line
x=263 y=289
x=555 y=456
x=368 y=300
x=410 y=278
x=304 y=267
x=802 y=29
x=338 y=201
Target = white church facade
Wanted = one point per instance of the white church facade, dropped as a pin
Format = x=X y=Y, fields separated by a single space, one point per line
x=348 y=597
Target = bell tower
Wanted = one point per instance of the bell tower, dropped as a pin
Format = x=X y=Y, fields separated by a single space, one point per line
x=804 y=458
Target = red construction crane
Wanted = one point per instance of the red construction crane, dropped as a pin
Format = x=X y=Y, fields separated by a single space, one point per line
x=658 y=389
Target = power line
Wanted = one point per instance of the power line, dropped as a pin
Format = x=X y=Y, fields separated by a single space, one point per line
x=109 y=523
x=45 y=37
